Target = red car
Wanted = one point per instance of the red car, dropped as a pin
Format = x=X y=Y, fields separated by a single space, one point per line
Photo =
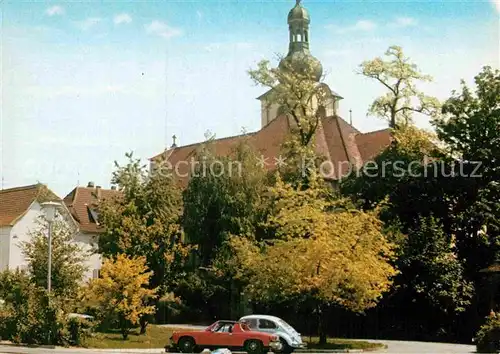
x=225 y=334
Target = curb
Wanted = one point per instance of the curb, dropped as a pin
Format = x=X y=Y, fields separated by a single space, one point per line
x=42 y=346
x=82 y=349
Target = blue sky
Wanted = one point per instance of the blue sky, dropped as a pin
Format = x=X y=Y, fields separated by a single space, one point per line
x=85 y=82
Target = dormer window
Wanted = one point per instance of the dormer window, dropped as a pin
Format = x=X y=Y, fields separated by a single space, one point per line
x=94 y=215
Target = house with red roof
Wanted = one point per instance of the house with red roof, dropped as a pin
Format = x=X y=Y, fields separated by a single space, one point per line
x=82 y=203
x=21 y=211
x=20 y=214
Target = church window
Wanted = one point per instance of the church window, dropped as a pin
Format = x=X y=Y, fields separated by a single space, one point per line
x=306 y=39
x=299 y=38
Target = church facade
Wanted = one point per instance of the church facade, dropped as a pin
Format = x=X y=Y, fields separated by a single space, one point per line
x=341 y=144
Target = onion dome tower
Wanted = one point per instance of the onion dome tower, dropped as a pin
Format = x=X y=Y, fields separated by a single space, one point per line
x=299 y=57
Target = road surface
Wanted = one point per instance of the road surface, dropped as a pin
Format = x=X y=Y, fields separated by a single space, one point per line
x=400 y=347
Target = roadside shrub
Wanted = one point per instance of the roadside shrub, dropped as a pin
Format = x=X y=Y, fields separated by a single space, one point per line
x=488 y=337
x=78 y=330
x=30 y=315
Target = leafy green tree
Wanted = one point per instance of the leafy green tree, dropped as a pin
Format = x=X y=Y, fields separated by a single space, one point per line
x=222 y=198
x=432 y=271
x=145 y=220
x=470 y=129
x=122 y=293
x=68 y=257
x=399 y=76
x=458 y=187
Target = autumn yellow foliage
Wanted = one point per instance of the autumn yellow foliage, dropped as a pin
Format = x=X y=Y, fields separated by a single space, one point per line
x=121 y=294
x=336 y=254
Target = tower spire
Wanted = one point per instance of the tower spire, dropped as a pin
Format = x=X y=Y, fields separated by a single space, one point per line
x=298 y=49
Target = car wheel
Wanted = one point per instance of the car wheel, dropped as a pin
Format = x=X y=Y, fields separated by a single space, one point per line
x=253 y=346
x=186 y=345
x=285 y=348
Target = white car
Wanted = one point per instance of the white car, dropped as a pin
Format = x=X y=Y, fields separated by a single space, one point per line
x=289 y=337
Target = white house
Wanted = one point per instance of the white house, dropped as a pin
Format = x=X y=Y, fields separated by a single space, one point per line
x=20 y=210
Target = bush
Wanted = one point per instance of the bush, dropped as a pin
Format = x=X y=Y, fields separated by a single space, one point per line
x=79 y=329
x=30 y=315
x=488 y=337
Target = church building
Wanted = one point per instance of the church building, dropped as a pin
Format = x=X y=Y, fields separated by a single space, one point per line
x=335 y=139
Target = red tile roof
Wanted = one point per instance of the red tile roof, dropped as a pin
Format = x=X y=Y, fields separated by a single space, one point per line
x=82 y=202
x=14 y=202
x=372 y=143
x=336 y=140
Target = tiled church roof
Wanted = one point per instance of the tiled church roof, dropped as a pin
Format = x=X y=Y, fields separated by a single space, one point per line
x=336 y=140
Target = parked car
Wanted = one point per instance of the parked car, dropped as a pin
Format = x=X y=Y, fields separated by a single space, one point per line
x=225 y=334
x=290 y=339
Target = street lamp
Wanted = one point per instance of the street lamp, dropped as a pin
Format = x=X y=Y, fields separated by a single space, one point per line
x=49 y=209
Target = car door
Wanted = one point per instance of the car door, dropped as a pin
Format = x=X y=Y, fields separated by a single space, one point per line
x=221 y=336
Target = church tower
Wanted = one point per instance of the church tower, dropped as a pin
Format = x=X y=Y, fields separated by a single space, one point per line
x=299 y=58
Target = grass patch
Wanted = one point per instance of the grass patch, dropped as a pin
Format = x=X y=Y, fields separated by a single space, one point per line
x=338 y=343
x=158 y=337
x=155 y=337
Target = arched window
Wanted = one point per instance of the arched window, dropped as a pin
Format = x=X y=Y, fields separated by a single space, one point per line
x=306 y=37
x=299 y=38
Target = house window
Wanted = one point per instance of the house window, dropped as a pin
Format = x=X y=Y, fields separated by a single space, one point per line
x=93 y=214
x=96 y=273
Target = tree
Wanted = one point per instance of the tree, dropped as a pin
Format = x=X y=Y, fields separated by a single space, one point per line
x=457 y=186
x=295 y=92
x=399 y=76
x=222 y=198
x=28 y=314
x=222 y=201
x=145 y=220
x=470 y=129
x=433 y=275
x=67 y=257
x=322 y=250
x=302 y=98
x=399 y=164
x=122 y=293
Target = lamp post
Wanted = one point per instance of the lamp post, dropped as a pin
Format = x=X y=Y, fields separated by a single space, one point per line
x=50 y=212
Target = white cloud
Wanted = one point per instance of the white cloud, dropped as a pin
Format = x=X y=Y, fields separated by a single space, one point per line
x=359 y=26
x=161 y=29
x=88 y=23
x=54 y=10
x=497 y=4
x=122 y=18
x=404 y=22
